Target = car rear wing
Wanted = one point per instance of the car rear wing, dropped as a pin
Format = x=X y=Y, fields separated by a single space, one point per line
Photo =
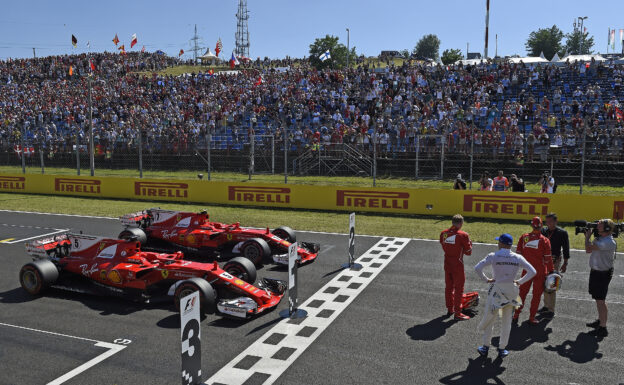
x=138 y=219
x=46 y=247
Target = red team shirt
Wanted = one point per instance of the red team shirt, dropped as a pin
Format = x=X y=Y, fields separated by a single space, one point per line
x=455 y=243
x=535 y=248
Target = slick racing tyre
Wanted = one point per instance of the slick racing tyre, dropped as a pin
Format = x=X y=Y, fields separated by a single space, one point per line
x=241 y=268
x=207 y=294
x=255 y=249
x=134 y=232
x=286 y=233
x=37 y=276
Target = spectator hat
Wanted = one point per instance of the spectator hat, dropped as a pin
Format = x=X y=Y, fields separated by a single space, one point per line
x=505 y=239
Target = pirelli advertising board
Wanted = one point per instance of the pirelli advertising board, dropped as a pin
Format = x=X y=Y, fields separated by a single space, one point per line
x=384 y=200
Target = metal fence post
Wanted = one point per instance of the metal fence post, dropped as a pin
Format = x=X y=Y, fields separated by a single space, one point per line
x=272 y=154
x=140 y=152
x=417 y=152
x=91 y=144
x=374 y=159
x=22 y=150
x=208 y=144
x=442 y=140
x=471 y=155
x=251 y=153
x=77 y=153
x=41 y=158
x=285 y=156
x=583 y=156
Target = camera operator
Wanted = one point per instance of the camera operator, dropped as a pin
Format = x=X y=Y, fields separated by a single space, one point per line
x=486 y=182
x=548 y=183
x=460 y=184
x=602 y=255
x=559 y=241
x=517 y=184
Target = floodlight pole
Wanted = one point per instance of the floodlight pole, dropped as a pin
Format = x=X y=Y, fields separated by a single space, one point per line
x=487 y=26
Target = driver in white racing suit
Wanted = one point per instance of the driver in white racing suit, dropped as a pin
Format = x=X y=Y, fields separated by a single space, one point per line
x=503 y=292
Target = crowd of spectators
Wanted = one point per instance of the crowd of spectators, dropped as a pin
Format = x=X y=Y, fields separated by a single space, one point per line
x=493 y=109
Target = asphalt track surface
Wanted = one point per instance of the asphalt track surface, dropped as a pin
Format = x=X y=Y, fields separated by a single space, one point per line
x=394 y=332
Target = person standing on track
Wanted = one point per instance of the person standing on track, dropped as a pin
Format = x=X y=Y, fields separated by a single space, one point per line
x=535 y=248
x=500 y=183
x=503 y=291
x=455 y=244
x=559 y=241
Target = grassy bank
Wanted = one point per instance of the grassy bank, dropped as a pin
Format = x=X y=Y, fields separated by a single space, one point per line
x=317 y=180
x=481 y=230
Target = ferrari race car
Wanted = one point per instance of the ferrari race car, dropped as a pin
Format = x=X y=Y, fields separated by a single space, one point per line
x=197 y=236
x=98 y=265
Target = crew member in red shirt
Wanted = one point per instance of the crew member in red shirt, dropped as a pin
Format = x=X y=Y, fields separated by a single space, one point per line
x=535 y=248
x=455 y=244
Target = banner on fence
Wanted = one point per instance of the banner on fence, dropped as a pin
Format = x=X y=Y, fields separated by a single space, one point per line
x=383 y=200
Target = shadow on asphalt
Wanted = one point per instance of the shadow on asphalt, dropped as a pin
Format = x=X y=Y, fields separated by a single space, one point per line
x=431 y=330
x=479 y=371
x=526 y=334
x=582 y=350
x=17 y=295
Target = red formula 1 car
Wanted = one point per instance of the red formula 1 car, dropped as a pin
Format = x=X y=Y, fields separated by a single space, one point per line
x=196 y=235
x=98 y=265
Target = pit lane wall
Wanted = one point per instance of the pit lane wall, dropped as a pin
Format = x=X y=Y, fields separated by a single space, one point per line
x=569 y=207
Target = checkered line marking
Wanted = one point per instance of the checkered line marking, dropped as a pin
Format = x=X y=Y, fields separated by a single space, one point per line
x=264 y=361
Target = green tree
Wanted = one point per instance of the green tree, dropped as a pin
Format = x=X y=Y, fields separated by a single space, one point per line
x=450 y=56
x=405 y=54
x=579 y=43
x=337 y=51
x=546 y=40
x=428 y=47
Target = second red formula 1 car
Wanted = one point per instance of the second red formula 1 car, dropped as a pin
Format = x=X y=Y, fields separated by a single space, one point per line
x=196 y=235
x=98 y=265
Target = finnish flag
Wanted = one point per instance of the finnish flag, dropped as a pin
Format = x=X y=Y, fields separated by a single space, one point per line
x=325 y=56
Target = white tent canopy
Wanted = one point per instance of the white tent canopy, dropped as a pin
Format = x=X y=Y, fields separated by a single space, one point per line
x=209 y=58
x=528 y=59
x=582 y=58
x=470 y=62
x=555 y=58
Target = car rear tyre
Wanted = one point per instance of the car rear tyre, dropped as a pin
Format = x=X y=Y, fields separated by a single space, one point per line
x=134 y=232
x=286 y=233
x=207 y=294
x=37 y=276
x=241 y=268
x=255 y=249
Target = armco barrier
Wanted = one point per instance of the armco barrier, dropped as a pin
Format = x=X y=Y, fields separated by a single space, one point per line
x=384 y=200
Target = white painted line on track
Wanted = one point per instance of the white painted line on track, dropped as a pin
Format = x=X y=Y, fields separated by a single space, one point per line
x=303 y=231
x=269 y=356
x=112 y=349
x=36 y=236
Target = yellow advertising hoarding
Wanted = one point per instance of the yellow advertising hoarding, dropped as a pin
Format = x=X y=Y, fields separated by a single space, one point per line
x=383 y=200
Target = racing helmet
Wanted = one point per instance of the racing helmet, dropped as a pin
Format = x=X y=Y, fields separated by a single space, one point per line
x=553 y=282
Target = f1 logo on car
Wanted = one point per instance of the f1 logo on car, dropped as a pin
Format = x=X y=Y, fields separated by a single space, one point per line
x=259 y=194
x=12 y=183
x=161 y=189
x=506 y=205
x=373 y=199
x=74 y=185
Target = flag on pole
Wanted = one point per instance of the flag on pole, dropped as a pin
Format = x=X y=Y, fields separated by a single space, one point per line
x=259 y=81
x=325 y=56
x=234 y=61
x=211 y=72
x=219 y=47
x=116 y=40
x=143 y=49
x=88 y=44
x=122 y=49
x=74 y=41
x=91 y=65
x=71 y=70
x=133 y=40
x=613 y=38
x=621 y=35
x=181 y=52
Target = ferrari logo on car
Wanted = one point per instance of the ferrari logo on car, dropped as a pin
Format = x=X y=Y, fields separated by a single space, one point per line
x=229 y=237
x=165 y=273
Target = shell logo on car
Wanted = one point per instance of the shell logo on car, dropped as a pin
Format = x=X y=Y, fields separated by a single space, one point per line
x=114 y=276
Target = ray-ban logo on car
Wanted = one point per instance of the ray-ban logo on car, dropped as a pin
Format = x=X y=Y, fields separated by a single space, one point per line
x=373 y=199
x=89 y=186
x=506 y=205
x=259 y=194
x=161 y=189
x=12 y=182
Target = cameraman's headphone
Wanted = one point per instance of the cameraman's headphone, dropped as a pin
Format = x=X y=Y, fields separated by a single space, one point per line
x=606 y=225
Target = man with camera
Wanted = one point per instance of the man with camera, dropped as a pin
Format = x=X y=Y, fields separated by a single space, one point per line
x=548 y=184
x=601 y=259
x=559 y=241
x=455 y=244
x=460 y=184
x=535 y=248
